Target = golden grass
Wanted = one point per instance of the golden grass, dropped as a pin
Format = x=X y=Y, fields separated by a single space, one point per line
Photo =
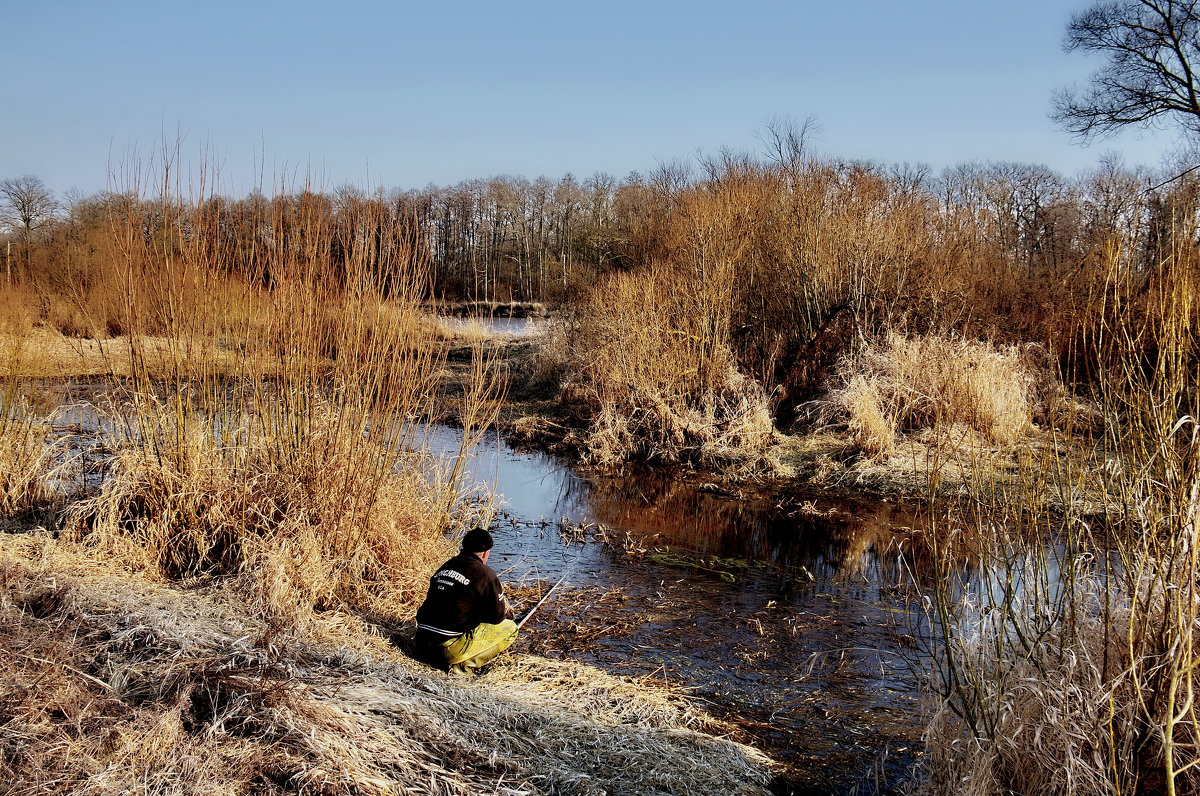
x=274 y=408
x=645 y=362
x=463 y=330
x=902 y=384
x=871 y=416
x=267 y=455
x=28 y=463
x=48 y=354
x=118 y=685
x=334 y=518
x=18 y=310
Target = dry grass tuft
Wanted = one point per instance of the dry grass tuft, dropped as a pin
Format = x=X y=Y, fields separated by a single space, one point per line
x=871 y=416
x=117 y=685
x=932 y=382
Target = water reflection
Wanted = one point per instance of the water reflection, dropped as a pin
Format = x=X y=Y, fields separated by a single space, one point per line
x=494 y=327
x=830 y=542
x=810 y=646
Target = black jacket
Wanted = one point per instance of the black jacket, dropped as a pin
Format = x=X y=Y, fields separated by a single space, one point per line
x=462 y=593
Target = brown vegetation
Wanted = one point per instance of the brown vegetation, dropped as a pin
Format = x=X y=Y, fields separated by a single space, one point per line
x=28 y=462
x=647 y=360
x=270 y=429
x=934 y=383
x=327 y=518
x=119 y=685
x=1010 y=298
x=759 y=278
x=204 y=614
x=1072 y=668
x=708 y=311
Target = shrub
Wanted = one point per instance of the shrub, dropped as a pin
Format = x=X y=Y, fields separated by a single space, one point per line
x=647 y=364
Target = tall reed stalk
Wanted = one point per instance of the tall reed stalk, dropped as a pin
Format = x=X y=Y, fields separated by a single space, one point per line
x=1068 y=662
x=276 y=417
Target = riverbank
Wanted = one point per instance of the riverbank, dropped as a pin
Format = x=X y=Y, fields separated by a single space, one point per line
x=183 y=635
x=815 y=456
x=809 y=457
x=701 y=622
x=126 y=684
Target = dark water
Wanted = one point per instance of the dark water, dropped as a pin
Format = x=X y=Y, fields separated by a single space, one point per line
x=798 y=619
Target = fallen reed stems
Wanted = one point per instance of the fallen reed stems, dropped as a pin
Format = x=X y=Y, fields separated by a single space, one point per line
x=118 y=684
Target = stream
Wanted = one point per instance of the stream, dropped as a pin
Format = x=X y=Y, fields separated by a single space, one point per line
x=798 y=620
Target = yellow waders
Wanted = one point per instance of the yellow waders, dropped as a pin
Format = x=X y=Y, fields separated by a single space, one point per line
x=476 y=647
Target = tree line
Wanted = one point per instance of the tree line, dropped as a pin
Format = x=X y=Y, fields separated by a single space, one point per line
x=508 y=238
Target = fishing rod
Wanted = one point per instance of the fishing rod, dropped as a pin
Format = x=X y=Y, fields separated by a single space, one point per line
x=545 y=597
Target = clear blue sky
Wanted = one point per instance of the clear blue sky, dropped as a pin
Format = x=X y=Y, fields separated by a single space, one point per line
x=400 y=94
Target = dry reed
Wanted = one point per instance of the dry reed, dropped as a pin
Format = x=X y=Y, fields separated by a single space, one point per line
x=274 y=419
x=117 y=685
x=932 y=382
x=334 y=518
x=28 y=464
x=646 y=363
x=1070 y=665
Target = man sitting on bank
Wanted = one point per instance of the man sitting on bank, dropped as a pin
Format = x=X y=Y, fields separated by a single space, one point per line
x=462 y=625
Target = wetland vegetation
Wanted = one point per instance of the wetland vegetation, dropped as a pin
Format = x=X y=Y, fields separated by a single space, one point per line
x=210 y=580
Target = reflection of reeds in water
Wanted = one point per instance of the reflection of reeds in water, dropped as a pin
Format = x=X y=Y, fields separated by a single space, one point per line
x=876 y=542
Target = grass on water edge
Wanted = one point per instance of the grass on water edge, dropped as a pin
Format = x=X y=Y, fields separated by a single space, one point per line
x=1067 y=656
x=118 y=683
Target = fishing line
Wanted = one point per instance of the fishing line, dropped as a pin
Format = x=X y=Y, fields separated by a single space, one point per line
x=549 y=592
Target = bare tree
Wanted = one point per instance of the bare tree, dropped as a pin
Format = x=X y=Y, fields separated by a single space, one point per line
x=26 y=205
x=1152 y=49
x=786 y=142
